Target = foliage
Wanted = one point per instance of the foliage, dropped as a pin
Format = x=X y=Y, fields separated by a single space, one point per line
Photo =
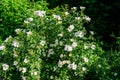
x=13 y=13
x=104 y=15
x=52 y=46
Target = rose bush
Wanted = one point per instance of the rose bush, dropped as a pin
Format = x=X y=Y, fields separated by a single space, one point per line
x=52 y=46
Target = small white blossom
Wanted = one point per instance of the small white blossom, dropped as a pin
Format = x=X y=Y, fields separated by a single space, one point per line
x=86 y=59
x=39 y=13
x=87 y=18
x=57 y=17
x=77 y=18
x=15 y=63
x=70 y=28
x=2 y=47
x=42 y=43
x=85 y=46
x=82 y=7
x=35 y=73
x=25 y=60
x=5 y=67
x=93 y=47
x=17 y=31
x=54 y=69
x=74 y=44
x=74 y=9
x=59 y=22
x=60 y=64
x=79 y=34
x=72 y=40
x=60 y=34
x=72 y=66
x=24 y=70
x=56 y=42
x=50 y=51
x=83 y=68
x=61 y=55
x=29 y=33
x=23 y=78
x=68 y=48
x=29 y=19
x=99 y=65
x=51 y=77
x=91 y=32
x=66 y=13
x=26 y=22
x=15 y=43
x=7 y=39
x=115 y=74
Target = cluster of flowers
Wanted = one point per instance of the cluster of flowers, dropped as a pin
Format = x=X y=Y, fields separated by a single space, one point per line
x=69 y=39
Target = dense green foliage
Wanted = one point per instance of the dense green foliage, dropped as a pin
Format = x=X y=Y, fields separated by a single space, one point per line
x=13 y=13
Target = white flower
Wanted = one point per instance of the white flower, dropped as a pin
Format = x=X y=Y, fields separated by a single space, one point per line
x=83 y=68
x=69 y=66
x=25 y=60
x=56 y=42
x=74 y=44
x=86 y=59
x=60 y=64
x=115 y=74
x=77 y=18
x=57 y=17
x=74 y=9
x=66 y=13
x=91 y=32
x=79 y=34
x=5 y=67
x=29 y=33
x=82 y=7
x=29 y=19
x=26 y=22
x=2 y=47
x=85 y=46
x=7 y=39
x=61 y=55
x=87 y=18
x=72 y=40
x=39 y=13
x=70 y=28
x=17 y=31
x=50 y=51
x=59 y=22
x=54 y=69
x=51 y=77
x=60 y=34
x=42 y=43
x=99 y=65
x=24 y=70
x=93 y=47
x=35 y=73
x=23 y=78
x=15 y=63
x=15 y=43
x=68 y=48
x=72 y=66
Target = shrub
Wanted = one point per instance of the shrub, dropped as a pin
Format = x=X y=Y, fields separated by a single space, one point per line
x=52 y=46
x=13 y=13
x=104 y=15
